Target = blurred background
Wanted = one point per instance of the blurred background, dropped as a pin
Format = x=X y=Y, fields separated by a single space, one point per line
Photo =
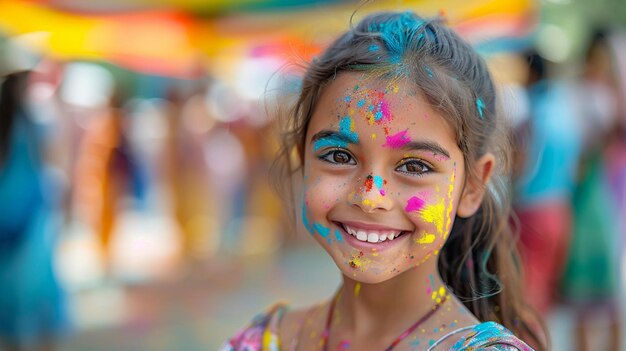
x=136 y=212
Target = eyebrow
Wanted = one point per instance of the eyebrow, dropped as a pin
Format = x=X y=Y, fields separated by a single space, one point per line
x=331 y=138
x=427 y=145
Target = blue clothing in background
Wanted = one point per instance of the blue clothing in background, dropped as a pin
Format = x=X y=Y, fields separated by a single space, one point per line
x=31 y=302
x=553 y=148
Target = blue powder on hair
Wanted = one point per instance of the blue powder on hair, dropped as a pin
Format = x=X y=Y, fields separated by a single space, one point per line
x=430 y=72
x=480 y=105
x=374 y=48
x=401 y=34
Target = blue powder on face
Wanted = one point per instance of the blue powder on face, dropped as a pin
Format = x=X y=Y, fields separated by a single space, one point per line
x=378 y=181
x=378 y=115
x=346 y=136
x=371 y=107
x=361 y=103
x=348 y=98
x=480 y=105
x=329 y=142
x=338 y=235
x=323 y=231
x=305 y=220
x=346 y=130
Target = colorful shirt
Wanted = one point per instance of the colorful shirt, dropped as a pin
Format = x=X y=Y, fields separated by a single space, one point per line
x=261 y=335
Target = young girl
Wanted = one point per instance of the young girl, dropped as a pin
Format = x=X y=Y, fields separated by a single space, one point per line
x=395 y=129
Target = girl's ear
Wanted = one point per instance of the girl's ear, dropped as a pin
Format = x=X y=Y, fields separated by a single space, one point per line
x=474 y=190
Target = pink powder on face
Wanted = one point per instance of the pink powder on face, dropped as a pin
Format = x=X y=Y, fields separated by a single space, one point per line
x=398 y=140
x=414 y=204
x=384 y=108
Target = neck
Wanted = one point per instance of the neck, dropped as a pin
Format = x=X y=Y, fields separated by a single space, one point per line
x=393 y=304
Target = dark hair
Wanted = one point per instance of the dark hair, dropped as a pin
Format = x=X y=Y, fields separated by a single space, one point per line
x=11 y=94
x=479 y=261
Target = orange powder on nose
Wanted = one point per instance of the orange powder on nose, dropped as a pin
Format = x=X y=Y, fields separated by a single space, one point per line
x=369 y=182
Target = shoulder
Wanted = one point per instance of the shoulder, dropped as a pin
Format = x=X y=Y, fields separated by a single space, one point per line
x=260 y=333
x=490 y=336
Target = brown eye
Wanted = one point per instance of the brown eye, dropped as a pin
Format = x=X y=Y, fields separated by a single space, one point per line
x=341 y=157
x=338 y=157
x=414 y=167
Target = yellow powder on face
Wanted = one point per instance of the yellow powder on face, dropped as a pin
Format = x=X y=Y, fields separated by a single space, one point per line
x=374 y=136
x=435 y=214
x=366 y=202
x=449 y=212
x=356 y=262
x=425 y=239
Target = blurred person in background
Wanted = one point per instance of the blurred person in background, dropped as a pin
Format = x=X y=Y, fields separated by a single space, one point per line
x=590 y=281
x=106 y=171
x=32 y=307
x=546 y=162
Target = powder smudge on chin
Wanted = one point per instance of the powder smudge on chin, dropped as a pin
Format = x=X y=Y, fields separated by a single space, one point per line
x=397 y=140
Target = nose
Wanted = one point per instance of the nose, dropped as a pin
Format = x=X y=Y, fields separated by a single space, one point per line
x=371 y=195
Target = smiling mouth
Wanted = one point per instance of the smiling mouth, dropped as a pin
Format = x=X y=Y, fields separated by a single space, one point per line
x=371 y=236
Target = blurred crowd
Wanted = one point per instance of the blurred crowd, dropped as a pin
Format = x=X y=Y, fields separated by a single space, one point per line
x=570 y=186
x=102 y=183
x=97 y=185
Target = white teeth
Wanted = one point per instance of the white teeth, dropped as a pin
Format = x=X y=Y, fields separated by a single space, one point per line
x=372 y=237
x=361 y=235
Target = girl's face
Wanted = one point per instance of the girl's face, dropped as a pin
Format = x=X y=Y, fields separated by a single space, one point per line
x=383 y=176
